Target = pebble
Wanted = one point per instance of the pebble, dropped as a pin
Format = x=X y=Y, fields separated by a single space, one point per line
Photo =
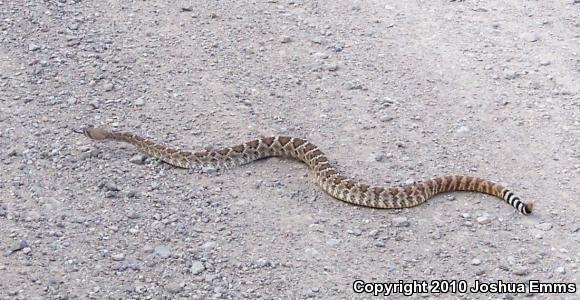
x=544 y=226
x=33 y=47
x=355 y=232
x=379 y=244
x=386 y=118
x=197 y=267
x=262 y=263
x=163 y=251
x=132 y=214
x=285 y=39
x=476 y=262
x=209 y=245
x=561 y=270
x=139 y=101
x=520 y=271
x=353 y=86
x=321 y=55
x=333 y=242
x=19 y=246
x=111 y=187
x=118 y=257
x=530 y=36
x=332 y=67
x=485 y=219
x=138 y=159
x=174 y=287
x=108 y=86
x=209 y=169
x=379 y=157
x=401 y=222
x=463 y=129
x=511 y=74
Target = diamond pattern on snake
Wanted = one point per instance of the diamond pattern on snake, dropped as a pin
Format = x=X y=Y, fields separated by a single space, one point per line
x=327 y=176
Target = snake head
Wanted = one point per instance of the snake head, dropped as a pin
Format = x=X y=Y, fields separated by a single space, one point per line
x=96 y=133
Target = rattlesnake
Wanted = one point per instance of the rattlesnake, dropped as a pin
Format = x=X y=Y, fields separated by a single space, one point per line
x=327 y=177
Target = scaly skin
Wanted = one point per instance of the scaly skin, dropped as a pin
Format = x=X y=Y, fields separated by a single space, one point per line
x=327 y=177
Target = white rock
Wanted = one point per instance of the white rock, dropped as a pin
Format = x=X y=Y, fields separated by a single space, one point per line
x=530 y=36
x=400 y=222
x=544 y=226
x=197 y=267
x=484 y=220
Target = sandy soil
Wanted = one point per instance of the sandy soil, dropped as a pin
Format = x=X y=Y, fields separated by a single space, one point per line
x=392 y=91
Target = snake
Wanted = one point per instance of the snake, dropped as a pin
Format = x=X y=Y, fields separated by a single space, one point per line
x=327 y=177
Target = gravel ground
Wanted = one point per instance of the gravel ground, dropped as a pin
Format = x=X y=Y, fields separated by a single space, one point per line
x=393 y=91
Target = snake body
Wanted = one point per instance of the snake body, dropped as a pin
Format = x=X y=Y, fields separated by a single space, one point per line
x=327 y=177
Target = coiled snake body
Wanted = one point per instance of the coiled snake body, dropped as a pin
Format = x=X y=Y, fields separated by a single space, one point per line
x=327 y=177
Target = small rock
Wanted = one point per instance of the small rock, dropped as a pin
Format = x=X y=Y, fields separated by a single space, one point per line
x=332 y=67
x=355 y=232
x=561 y=270
x=139 y=101
x=108 y=86
x=33 y=47
x=333 y=242
x=386 y=118
x=321 y=55
x=476 y=262
x=111 y=187
x=137 y=159
x=73 y=26
x=197 y=267
x=544 y=226
x=530 y=36
x=13 y=152
x=95 y=104
x=19 y=246
x=400 y=222
x=379 y=157
x=118 y=257
x=174 y=287
x=463 y=129
x=544 y=62
x=209 y=169
x=209 y=245
x=483 y=220
x=186 y=8
x=26 y=250
x=163 y=251
x=511 y=74
x=132 y=214
x=262 y=263
x=285 y=39
x=520 y=271
x=379 y=244
x=451 y=198
x=312 y=252
x=353 y=86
